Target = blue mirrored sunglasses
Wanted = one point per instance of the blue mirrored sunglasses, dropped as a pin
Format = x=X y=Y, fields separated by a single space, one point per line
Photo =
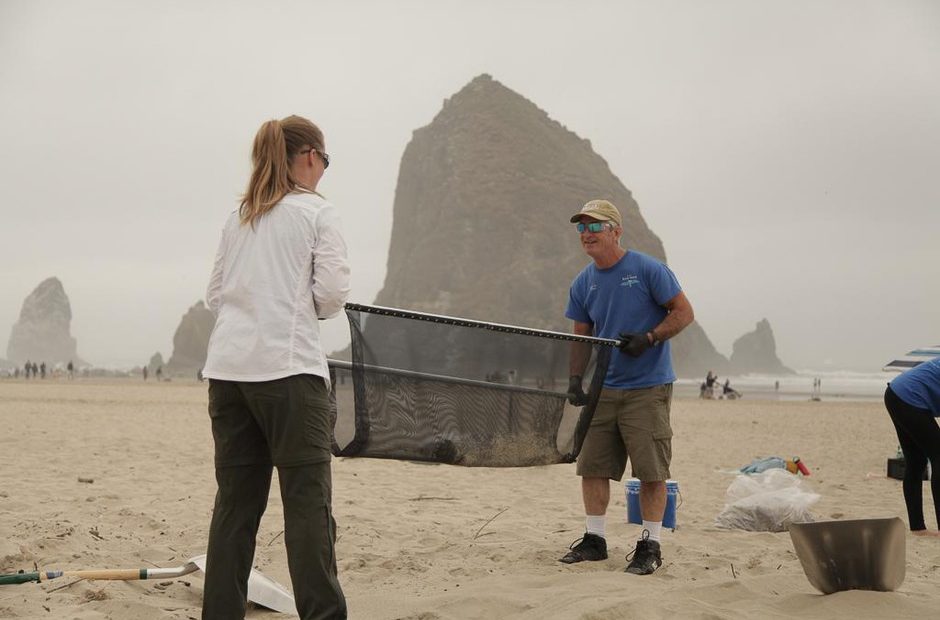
x=594 y=227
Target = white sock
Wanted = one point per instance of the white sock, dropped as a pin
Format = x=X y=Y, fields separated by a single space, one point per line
x=654 y=528
x=596 y=524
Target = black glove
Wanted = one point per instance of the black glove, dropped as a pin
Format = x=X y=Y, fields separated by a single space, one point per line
x=576 y=395
x=634 y=343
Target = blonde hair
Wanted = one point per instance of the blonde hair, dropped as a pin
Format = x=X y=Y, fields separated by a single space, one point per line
x=276 y=144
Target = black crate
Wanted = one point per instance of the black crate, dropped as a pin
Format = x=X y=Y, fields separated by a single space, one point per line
x=896 y=469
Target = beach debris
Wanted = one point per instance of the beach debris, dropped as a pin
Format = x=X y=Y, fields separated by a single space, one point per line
x=86 y=480
x=94 y=532
x=97 y=594
x=761 y=464
x=422 y=498
x=488 y=521
x=766 y=502
x=67 y=584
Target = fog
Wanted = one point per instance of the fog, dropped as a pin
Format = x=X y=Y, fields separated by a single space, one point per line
x=786 y=152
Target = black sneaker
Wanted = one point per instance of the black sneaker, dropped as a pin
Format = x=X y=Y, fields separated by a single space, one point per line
x=647 y=556
x=591 y=548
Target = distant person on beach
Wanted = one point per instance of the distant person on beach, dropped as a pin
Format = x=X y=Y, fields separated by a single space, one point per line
x=42 y=370
x=281 y=266
x=817 y=389
x=145 y=373
x=625 y=295
x=27 y=369
x=710 y=380
x=159 y=372
x=729 y=392
x=913 y=402
x=71 y=370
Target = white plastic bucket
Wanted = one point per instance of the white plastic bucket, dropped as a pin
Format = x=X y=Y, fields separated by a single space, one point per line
x=635 y=514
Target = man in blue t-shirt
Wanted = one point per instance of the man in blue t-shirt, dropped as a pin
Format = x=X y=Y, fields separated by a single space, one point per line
x=913 y=402
x=634 y=298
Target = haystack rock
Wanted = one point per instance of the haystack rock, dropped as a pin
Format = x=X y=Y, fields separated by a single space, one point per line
x=191 y=341
x=756 y=352
x=481 y=212
x=42 y=332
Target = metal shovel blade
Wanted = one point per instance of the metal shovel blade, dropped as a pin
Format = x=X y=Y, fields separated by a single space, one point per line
x=863 y=554
x=262 y=590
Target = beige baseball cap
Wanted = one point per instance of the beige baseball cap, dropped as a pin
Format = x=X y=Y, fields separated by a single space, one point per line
x=600 y=210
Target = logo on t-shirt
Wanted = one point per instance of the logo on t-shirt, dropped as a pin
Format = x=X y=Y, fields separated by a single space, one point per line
x=629 y=280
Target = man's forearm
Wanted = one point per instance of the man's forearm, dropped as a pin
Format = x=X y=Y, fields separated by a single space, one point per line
x=580 y=356
x=675 y=322
x=580 y=351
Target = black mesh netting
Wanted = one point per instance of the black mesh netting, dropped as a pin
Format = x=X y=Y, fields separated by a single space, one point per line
x=433 y=388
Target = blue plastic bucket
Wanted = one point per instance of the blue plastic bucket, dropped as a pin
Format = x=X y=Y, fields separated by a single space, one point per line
x=635 y=514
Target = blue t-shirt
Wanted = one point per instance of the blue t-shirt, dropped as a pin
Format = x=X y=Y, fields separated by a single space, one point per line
x=627 y=297
x=920 y=386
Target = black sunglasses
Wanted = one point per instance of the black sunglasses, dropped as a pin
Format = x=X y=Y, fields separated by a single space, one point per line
x=324 y=156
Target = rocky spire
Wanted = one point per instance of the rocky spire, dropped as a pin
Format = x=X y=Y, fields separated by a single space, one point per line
x=756 y=351
x=42 y=332
x=191 y=341
x=481 y=212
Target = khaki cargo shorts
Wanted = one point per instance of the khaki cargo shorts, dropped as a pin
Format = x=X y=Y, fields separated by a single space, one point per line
x=629 y=423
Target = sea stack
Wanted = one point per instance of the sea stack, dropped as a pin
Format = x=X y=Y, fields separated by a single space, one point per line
x=756 y=352
x=42 y=333
x=191 y=341
x=481 y=212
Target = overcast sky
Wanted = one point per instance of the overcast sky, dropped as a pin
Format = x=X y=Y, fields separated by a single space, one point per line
x=787 y=152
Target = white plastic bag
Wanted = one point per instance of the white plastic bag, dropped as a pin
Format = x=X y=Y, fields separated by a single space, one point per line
x=766 y=502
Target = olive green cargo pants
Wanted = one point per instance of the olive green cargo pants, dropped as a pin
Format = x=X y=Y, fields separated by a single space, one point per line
x=256 y=426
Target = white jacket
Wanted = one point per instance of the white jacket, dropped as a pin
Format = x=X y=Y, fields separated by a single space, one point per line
x=268 y=288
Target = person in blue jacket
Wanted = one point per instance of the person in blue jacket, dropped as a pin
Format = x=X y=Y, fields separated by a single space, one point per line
x=913 y=402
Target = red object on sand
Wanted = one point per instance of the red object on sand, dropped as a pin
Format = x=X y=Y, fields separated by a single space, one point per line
x=803 y=468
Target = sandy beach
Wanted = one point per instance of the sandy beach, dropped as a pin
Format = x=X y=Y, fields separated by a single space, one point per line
x=429 y=541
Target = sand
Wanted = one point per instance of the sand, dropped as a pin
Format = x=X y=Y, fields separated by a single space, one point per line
x=428 y=541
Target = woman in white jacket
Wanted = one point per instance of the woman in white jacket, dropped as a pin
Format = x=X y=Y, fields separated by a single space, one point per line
x=280 y=267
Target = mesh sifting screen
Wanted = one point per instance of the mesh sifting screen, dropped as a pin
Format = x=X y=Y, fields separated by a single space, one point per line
x=433 y=388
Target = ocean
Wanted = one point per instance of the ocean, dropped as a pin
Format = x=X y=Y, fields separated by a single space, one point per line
x=833 y=384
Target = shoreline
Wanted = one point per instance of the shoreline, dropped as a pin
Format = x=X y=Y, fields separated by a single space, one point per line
x=684 y=388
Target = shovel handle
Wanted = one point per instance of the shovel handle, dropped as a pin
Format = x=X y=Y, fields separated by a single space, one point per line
x=124 y=575
x=120 y=574
x=14 y=578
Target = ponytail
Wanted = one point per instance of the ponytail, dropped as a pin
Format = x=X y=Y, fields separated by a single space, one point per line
x=275 y=144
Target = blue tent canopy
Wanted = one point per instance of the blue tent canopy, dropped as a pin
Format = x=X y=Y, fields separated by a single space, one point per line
x=913 y=358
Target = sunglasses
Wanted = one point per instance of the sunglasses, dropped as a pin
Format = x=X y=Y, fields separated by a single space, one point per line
x=594 y=227
x=324 y=156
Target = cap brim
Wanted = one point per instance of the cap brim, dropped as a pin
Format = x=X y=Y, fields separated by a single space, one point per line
x=594 y=216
